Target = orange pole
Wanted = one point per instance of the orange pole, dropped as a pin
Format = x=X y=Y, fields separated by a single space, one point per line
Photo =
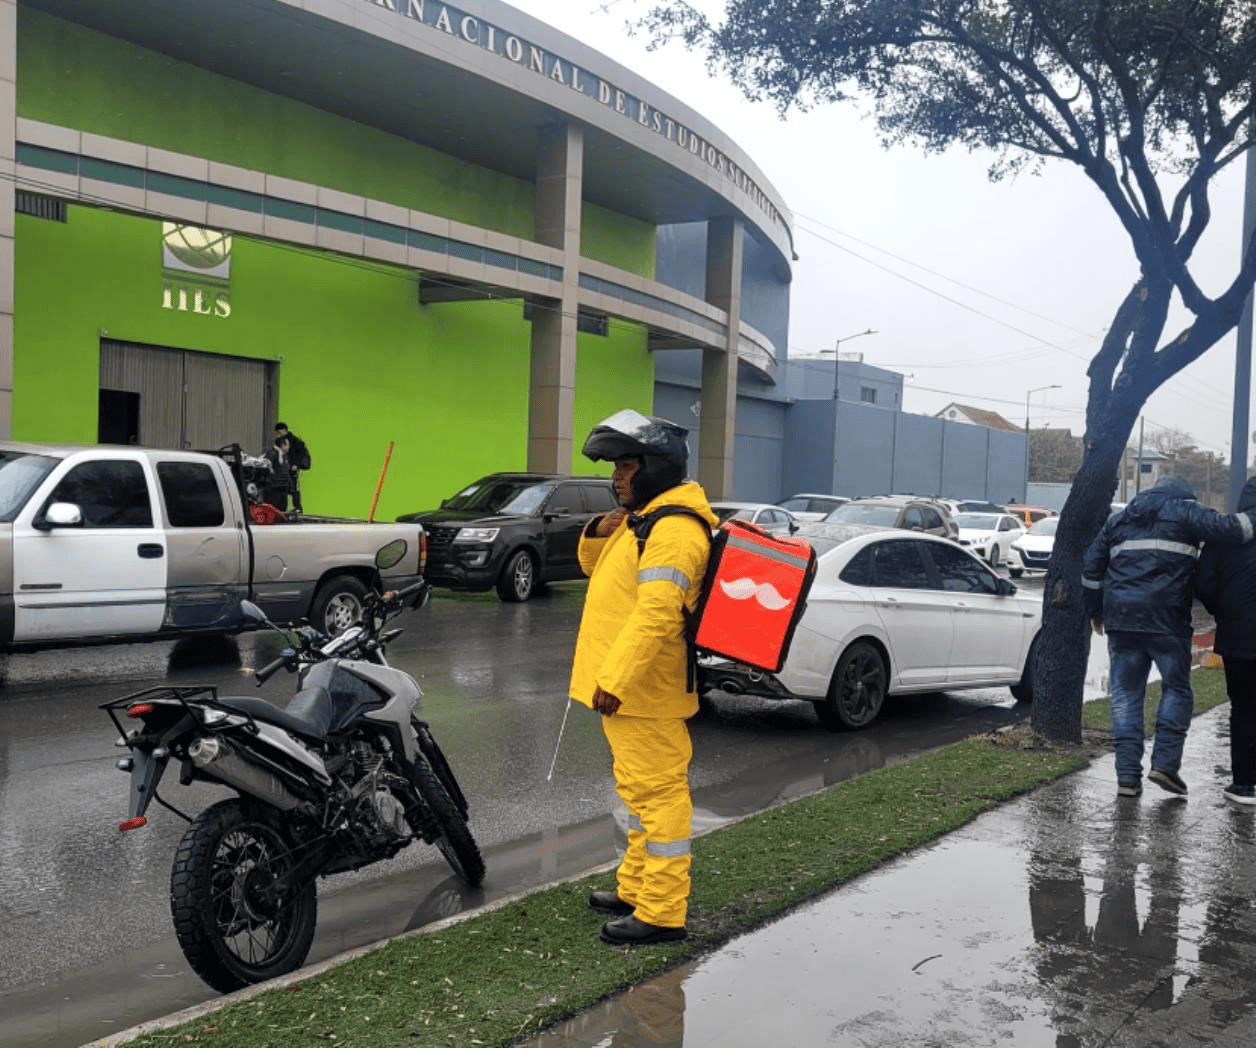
x=382 y=474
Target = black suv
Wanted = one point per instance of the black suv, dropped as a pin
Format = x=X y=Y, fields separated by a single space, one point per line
x=514 y=531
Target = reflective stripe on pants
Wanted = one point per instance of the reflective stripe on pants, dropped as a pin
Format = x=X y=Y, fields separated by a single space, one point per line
x=652 y=757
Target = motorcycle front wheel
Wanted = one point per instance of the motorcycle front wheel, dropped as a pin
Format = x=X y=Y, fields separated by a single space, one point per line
x=436 y=758
x=454 y=838
x=232 y=929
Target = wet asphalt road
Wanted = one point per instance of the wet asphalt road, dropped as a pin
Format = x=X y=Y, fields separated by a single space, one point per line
x=86 y=947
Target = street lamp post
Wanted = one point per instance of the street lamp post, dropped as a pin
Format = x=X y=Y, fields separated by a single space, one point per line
x=836 y=351
x=1036 y=389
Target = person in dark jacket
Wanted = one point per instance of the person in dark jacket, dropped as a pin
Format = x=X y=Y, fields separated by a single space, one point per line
x=298 y=456
x=279 y=485
x=1226 y=583
x=1138 y=581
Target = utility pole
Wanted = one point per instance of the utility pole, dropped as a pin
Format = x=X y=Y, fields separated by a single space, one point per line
x=1243 y=349
x=1138 y=466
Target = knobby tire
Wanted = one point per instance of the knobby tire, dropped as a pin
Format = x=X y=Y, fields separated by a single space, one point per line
x=229 y=934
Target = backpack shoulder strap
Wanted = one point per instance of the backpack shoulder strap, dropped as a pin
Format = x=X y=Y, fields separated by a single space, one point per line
x=642 y=525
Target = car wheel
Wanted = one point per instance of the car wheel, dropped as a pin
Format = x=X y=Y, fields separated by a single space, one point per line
x=518 y=578
x=1015 y=572
x=338 y=604
x=1023 y=689
x=857 y=691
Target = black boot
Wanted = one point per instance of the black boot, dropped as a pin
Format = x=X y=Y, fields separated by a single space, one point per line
x=609 y=902
x=629 y=931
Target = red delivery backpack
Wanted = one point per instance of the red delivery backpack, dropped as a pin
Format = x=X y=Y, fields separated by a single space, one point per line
x=753 y=594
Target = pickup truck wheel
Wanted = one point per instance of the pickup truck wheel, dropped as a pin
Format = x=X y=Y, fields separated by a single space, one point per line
x=338 y=604
x=518 y=578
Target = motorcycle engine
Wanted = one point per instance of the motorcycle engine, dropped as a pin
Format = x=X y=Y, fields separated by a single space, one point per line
x=383 y=817
x=376 y=815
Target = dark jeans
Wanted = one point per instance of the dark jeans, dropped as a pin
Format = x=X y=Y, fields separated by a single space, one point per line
x=1240 y=684
x=1131 y=656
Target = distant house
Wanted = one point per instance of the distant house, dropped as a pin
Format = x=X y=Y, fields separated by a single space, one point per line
x=977 y=417
x=1141 y=472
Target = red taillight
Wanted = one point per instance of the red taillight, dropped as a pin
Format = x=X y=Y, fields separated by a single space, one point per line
x=133 y=824
x=422 y=552
x=140 y=709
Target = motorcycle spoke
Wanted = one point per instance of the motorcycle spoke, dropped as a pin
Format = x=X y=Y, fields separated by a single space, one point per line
x=249 y=933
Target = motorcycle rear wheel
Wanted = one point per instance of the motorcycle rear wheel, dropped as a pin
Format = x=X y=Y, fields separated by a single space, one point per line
x=454 y=841
x=230 y=931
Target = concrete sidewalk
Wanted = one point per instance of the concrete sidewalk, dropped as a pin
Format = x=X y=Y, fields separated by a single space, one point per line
x=1066 y=918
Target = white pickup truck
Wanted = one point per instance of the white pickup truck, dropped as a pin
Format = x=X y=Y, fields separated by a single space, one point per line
x=119 y=542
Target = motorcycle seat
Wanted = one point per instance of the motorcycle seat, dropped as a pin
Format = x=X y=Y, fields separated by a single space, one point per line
x=308 y=714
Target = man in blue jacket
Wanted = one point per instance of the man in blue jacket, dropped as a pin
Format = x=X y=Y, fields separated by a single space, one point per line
x=1138 y=580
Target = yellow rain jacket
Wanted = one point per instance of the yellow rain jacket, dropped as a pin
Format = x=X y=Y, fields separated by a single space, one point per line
x=632 y=638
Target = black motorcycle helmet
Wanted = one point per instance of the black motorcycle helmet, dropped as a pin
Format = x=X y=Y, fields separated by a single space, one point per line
x=658 y=443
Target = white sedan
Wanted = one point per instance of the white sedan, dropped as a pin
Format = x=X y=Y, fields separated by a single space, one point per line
x=1032 y=551
x=989 y=535
x=894 y=613
x=771 y=518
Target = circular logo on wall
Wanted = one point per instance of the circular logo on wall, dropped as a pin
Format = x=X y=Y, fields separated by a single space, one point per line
x=193 y=249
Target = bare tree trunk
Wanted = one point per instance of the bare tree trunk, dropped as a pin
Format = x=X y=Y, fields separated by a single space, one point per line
x=1059 y=671
x=1064 y=644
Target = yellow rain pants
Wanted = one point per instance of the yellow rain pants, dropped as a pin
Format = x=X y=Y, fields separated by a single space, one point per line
x=651 y=757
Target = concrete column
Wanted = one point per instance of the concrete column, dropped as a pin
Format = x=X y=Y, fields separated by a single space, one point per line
x=552 y=384
x=8 y=172
x=718 y=424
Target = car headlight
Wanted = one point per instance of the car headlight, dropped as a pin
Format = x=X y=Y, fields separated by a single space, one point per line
x=476 y=534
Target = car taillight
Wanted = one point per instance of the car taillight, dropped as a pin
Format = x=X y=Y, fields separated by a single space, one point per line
x=140 y=709
x=133 y=824
x=422 y=551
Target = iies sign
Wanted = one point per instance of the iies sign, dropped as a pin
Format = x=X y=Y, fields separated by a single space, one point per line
x=195 y=270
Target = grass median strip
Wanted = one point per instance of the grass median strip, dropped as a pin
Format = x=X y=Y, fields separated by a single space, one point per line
x=502 y=974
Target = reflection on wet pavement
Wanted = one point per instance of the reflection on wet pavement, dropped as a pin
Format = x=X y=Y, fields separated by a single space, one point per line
x=1064 y=919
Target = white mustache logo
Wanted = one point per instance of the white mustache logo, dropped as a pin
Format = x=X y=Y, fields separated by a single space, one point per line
x=765 y=593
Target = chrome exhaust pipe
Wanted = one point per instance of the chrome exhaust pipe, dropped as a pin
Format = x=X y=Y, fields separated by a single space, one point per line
x=217 y=758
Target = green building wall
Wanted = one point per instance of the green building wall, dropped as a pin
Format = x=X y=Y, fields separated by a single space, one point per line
x=363 y=363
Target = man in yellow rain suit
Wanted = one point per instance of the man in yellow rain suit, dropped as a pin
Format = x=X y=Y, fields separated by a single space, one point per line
x=631 y=665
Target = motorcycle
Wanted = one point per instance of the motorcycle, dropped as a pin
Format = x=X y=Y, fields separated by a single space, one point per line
x=344 y=776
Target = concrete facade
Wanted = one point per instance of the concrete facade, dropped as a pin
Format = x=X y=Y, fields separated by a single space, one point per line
x=547 y=176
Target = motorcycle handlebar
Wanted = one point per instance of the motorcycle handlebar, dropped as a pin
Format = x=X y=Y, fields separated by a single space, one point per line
x=400 y=595
x=270 y=669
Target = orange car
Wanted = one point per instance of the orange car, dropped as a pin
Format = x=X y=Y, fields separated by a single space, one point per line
x=1029 y=514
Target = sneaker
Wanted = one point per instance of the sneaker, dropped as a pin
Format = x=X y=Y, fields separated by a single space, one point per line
x=1129 y=789
x=1240 y=794
x=1168 y=780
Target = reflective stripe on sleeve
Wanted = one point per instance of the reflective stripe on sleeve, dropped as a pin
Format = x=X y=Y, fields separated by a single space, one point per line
x=663 y=573
x=1247 y=526
x=667 y=849
x=634 y=823
x=1091 y=584
x=1159 y=545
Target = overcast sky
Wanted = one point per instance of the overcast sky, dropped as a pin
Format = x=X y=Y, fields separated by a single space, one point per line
x=978 y=292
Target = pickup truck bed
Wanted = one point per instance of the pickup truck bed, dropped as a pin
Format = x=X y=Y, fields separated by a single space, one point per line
x=101 y=542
